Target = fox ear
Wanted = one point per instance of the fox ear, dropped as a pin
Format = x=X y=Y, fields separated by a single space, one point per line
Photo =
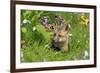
x=67 y=27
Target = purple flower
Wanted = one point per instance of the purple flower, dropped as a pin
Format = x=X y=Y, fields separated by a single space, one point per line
x=60 y=18
x=45 y=21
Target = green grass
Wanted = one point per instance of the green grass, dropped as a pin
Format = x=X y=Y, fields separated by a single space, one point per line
x=38 y=43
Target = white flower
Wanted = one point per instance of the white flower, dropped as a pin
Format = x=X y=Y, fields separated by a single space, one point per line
x=70 y=34
x=69 y=26
x=33 y=28
x=85 y=56
x=86 y=53
x=26 y=22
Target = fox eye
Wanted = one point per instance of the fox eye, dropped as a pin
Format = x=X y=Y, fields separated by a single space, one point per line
x=60 y=36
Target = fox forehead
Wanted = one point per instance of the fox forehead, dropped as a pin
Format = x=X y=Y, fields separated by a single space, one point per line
x=60 y=32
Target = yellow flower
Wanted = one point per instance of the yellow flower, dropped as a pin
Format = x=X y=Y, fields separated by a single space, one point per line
x=85 y=20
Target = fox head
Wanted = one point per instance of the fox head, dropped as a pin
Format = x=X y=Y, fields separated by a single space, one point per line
x=61 y=34
x=60 y=37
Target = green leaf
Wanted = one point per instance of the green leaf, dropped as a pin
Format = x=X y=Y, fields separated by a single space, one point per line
x=24 y=30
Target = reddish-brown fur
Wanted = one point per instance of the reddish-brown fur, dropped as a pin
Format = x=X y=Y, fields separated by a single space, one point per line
x=60 y=38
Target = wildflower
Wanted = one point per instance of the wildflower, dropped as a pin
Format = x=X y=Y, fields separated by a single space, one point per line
x=85 y=55
x=26 y=22
x=45 y=21
x=34 y=29
x=70 y=34
x=61 y=19
x=85 y=20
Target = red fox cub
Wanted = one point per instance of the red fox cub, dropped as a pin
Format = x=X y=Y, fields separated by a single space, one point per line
x=60 y=38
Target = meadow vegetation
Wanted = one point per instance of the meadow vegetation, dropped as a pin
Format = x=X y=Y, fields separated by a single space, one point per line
x=36 y=43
